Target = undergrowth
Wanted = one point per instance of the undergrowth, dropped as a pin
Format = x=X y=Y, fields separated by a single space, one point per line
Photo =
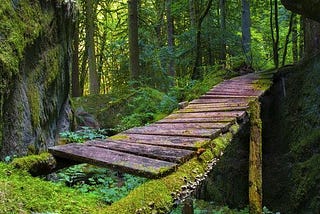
x=109 y=186
x=142 y=104
x=83 y=134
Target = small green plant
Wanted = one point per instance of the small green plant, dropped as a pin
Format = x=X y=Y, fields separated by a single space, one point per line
x=85 y=133
x=108 y=185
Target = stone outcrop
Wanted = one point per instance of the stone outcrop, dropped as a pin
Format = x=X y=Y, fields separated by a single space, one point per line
x=35 y=65
x=308 y=8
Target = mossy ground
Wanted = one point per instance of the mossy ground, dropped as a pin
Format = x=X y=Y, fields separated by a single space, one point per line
x=22 y=193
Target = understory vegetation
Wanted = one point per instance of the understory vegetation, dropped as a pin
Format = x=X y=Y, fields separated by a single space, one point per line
x=134 y=107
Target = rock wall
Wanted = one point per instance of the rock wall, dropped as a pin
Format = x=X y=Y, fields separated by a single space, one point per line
x=308 y=8
x=35 y=65
x=291 y=140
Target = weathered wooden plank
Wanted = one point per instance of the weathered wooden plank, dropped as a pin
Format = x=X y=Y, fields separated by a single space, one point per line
x=220 y=100
x=134 y=164
x=226 y=96
x=212 y=109
x=198 y=120
x=217 y=105
x=233 y=90
x=228 y=114
x=189 y=125
x=223 y=126
x=190 y=132
x=151 y=151
x=233 y=94
x=181 y=142
x=234 y=86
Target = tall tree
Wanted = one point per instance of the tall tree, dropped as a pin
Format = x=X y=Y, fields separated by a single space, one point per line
x=75 y=63
x=287 y=40
x=94 y=82
x=274 y=25
x=199 y=20
x=301 y=38
x=133 y=39
x=246 y=34
x=170 y=30
x=223 y=17
x=294 y=36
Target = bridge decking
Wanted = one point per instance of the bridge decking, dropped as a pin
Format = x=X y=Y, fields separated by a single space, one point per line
x=157 y=149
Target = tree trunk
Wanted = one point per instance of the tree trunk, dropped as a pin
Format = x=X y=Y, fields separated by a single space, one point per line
x=196 y=73
x=223 y=16
x=94 y=86
x=295 y=53
x=287 y=41
x=133 y=39
x=301 y=38
x=103 y=41
x=275 y=35
x=84 y=71
x=192 y=11
x=246 y=34
x=170 y=30
x=75 y=64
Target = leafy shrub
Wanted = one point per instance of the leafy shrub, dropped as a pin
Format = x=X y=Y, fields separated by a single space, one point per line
x=85 y=133
x=108 y=185
x=147 y=105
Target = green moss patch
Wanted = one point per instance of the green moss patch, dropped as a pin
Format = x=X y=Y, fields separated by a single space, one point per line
x=21 y=23
x=21 y=193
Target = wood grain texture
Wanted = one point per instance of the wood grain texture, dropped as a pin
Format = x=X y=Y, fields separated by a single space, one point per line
x=134 y=164
x=151 y=151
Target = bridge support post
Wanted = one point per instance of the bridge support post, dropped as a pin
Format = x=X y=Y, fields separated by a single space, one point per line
x=188 y=206
x=255 y=159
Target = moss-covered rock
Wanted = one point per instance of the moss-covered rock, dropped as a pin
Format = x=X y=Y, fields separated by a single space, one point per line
x=35 y=164
x=35 y=62
x=291 y=140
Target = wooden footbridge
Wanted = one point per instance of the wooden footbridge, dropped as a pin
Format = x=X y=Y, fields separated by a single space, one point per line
x=157 y=149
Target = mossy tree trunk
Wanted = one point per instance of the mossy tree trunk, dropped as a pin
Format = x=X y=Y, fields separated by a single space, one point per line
x=255 y=159
x=35 y=63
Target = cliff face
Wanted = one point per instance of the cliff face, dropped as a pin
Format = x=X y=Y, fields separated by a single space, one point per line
x=291 y=141
x=308 y=8
x=35 y=63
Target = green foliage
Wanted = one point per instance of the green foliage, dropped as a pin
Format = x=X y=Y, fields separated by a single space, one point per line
x=147 y=105
x=85 y=133
x=109 y=186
